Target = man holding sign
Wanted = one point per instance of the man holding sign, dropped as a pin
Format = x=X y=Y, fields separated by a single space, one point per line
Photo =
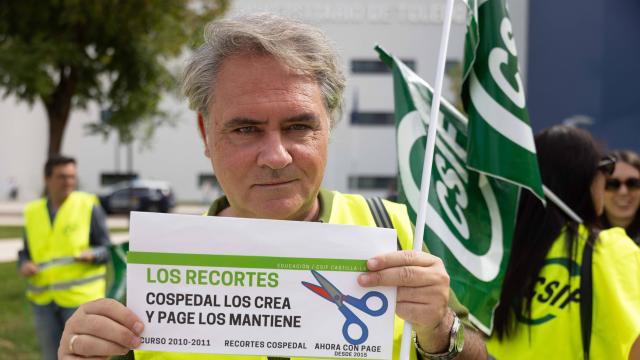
x=268 y=91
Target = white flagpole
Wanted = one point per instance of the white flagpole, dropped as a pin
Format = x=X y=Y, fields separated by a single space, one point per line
x=405 y=346
x=564 y=207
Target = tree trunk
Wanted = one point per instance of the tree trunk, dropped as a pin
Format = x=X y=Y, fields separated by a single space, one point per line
x=57 y=124
x=58 y=106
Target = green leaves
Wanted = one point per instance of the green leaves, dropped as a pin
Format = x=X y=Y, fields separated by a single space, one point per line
x=113 y=52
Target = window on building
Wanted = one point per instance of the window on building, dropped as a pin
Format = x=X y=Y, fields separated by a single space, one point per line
x=108 y=179
x=372 y=118
x=375 y=66
x=207 y=178
x=371 y=182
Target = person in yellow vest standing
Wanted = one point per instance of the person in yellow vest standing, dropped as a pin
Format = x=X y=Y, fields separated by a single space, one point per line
x=570 y=291
x=267 y=91
x=65 y=250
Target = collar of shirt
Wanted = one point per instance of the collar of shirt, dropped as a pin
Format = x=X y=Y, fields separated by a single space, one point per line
x=325 y=196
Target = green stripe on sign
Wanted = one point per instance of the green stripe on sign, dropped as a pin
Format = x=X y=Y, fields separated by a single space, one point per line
x=252 y=262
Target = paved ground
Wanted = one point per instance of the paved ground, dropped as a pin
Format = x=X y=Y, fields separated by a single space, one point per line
x=11 y=214
x=12 y=211
x=11 y=208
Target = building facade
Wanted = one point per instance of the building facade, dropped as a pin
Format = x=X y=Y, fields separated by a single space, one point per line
x=362 y=150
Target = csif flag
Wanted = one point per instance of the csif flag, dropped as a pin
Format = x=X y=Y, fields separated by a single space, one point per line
x=500 y=139
x=470 y=216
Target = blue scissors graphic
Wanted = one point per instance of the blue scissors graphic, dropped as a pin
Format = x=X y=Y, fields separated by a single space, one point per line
x=329 y=292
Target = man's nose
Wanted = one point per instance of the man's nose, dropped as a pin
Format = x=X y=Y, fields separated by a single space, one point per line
x=274 y=153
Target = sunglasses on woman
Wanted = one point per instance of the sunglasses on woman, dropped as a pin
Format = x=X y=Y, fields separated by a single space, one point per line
x=615 y=184
x=607 y=165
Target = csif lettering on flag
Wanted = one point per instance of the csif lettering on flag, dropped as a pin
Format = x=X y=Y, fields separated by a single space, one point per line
x=470 y=216
x=501 y=142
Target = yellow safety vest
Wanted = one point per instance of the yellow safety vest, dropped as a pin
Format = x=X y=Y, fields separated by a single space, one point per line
x=53 y=247
x=345 y=209
x=553 y=330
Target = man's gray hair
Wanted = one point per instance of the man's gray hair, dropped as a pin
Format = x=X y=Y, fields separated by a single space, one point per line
x=301 y=47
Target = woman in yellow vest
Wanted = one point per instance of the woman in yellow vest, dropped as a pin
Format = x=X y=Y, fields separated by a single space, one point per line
x=551 y=306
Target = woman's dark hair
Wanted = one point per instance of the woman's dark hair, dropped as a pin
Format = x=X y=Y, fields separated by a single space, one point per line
x=633 y=159
x=568 y=158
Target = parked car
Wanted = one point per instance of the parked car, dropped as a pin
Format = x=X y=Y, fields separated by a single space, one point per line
x=138 y=195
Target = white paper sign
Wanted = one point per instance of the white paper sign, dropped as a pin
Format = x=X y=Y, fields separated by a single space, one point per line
x=204 y=284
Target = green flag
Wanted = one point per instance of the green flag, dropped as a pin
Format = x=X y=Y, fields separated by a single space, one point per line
x=500 y=138
x=117 y=284
x=470 y=217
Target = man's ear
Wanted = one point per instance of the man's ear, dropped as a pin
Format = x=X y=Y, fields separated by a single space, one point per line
x=203 y=134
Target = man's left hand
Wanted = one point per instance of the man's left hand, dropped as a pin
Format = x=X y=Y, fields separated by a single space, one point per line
x=86 y=256
x=423 y=293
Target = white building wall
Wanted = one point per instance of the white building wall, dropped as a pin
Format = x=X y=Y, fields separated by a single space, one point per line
x=407 y=28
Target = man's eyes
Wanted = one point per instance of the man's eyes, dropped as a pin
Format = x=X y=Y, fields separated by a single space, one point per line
x=246 y=130
x=298 y=127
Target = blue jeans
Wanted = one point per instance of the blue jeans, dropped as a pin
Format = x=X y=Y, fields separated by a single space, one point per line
x=49 y=320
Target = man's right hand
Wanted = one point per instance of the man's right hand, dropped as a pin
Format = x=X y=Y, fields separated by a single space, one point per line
x=29 y=268
x=100 y=329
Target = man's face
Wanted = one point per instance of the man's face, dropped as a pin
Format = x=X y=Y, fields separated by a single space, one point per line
x=62 y=181
x=267 y=138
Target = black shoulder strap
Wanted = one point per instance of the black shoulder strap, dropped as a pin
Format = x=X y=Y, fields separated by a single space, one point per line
x=380 y=215
x=586 y=296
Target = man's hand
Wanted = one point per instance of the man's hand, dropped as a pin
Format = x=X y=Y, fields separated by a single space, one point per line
x=86 y=256
x=423 y=293
x=29 y=268
x=100 y=329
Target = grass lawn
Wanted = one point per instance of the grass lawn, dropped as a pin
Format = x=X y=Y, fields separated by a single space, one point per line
x=10 y=232
x=15 y=231
x=17 y=334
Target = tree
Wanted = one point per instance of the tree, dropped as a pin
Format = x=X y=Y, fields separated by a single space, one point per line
x=67 y=53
